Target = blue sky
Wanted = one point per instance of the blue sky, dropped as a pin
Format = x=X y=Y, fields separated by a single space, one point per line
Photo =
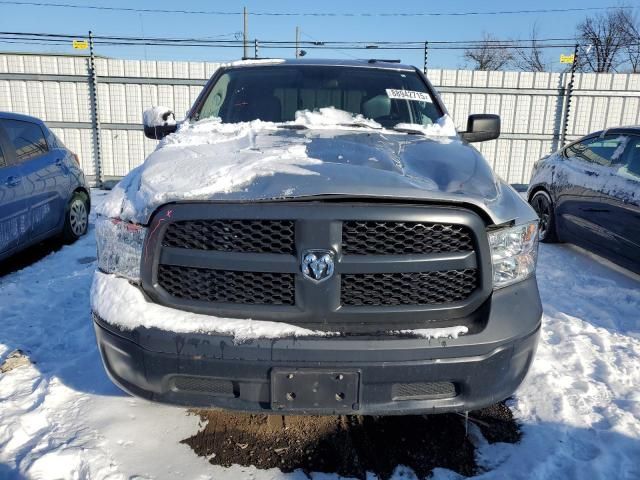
x=75 y=21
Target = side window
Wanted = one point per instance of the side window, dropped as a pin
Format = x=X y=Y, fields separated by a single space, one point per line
x=630 y=165
x=27 y=138
x=217 y=95
x=599 y=150
x=3 y=162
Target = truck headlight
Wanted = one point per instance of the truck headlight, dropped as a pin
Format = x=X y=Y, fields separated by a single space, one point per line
x=119 y=247
x=514 y=253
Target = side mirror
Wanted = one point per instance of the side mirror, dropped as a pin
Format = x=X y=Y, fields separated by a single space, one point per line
x=158 y=122
x=482 y=127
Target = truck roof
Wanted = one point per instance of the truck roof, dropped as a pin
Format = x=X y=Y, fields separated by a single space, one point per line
x=386 y=64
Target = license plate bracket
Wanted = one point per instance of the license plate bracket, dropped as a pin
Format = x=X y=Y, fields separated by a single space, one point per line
x=308 y=390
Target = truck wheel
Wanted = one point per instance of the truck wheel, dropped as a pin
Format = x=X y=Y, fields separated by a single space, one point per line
x=76 y=220
x=543 y=205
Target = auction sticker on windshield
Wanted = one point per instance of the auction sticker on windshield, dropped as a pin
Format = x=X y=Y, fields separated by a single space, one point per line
x=408 y=95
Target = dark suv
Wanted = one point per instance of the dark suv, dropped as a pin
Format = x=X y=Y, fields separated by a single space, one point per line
x=317 y=238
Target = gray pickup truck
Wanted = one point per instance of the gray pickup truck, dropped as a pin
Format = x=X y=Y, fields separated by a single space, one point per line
x=317 y=238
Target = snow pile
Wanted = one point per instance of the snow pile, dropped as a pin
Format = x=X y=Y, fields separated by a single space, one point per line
x=579 y=406
x=253 y=61
x=133 y=310
x=444 y=127
x=435 y=333
x=202 y=159
x=332 y=117
x=158 y=116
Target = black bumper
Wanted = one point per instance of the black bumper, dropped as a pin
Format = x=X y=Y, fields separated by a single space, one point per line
x=372 y=376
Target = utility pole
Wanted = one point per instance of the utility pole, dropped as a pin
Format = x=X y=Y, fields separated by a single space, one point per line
x=568 y=93
x=426 y=57
x=95 y=116
x=297 y=41
x=245 y=34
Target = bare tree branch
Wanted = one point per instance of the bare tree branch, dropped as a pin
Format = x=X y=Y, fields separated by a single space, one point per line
x=608 y=36
x=488 y=55
x=530 y=59
x=632 y=50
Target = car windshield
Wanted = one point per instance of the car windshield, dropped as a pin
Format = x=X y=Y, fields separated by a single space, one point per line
x=276 y=93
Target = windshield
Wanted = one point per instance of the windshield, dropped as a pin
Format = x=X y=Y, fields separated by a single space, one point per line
x=275 y=94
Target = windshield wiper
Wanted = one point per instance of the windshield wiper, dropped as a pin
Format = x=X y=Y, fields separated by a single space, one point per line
x=293 y=126
x=417 y=130
x=359 y=125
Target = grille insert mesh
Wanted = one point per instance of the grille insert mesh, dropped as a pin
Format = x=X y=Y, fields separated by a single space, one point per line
x=211 y=386
x=401 y=238
x=251 y=236
x=224 y=286
x=408 y=391
x=424 y=288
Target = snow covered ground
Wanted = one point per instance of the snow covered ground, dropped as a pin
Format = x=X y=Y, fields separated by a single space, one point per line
x=60 y=416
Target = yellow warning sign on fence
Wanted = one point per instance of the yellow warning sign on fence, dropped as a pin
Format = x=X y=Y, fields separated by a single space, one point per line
x=566 y=58
x=80 y=44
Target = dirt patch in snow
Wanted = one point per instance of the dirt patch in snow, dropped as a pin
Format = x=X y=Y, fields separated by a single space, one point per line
x=350 y=446
x=16 y=359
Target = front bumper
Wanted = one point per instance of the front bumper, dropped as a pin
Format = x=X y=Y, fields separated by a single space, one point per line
x=392 y=375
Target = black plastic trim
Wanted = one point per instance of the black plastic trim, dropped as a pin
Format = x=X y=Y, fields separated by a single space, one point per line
x=319 y=226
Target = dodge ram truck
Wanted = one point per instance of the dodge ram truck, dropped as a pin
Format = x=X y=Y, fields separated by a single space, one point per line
x=316 y=237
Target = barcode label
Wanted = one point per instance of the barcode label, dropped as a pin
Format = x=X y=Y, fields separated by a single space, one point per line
x=408 y=95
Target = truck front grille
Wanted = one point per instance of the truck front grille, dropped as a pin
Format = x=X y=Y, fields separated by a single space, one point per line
x=422 y=288
x=400 y=238
x=222 y=286
x=251 y=236
x=398 y=264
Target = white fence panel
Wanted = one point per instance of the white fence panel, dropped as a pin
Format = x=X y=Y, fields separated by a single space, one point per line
x=531 y=105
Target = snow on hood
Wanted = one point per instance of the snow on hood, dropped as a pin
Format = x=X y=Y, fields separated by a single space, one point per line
x=321 y=153
x=332 y=117
x=202 y=159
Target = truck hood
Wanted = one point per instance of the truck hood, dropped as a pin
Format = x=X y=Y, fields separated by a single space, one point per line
x=265 y=162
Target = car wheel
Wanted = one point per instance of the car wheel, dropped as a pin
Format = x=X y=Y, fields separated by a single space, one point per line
x=76 y=222
x=543 y=205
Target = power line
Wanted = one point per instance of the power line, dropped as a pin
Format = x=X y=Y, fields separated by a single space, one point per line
x=338 y=46
x=316 y=41
x=311 y=14
x=313 y=41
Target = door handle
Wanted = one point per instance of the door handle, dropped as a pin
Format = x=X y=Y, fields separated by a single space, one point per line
x=14 y=181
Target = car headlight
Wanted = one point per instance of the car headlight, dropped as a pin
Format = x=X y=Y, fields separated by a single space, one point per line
x=119 y=247
x=514 y=253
